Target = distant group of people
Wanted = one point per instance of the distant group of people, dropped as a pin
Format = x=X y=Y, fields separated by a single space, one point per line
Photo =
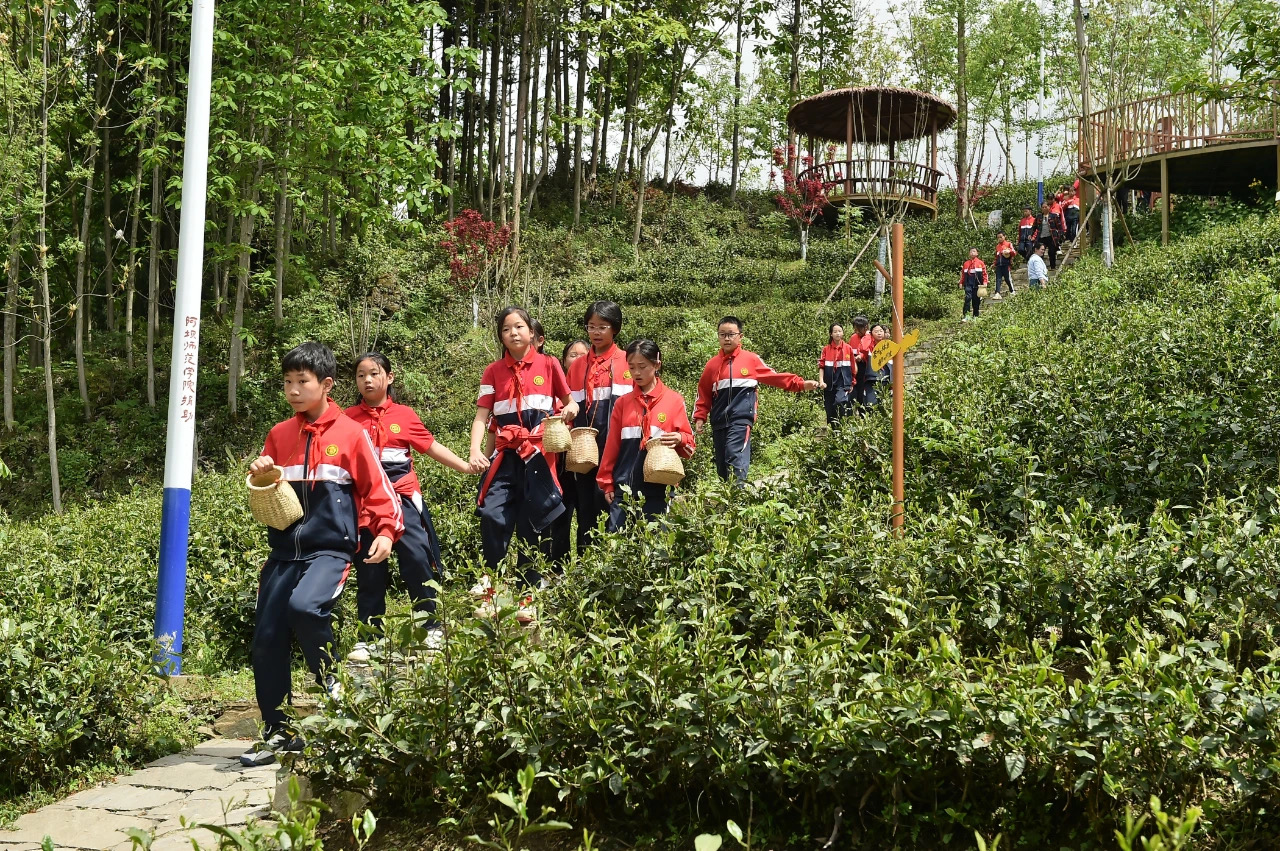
x=847 y=380
x=1039 y=236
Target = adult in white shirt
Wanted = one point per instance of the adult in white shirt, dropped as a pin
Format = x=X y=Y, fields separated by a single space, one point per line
x=1037 y=272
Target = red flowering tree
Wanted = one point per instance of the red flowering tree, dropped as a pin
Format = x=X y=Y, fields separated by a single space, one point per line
x=475 y=246
x=801 y=198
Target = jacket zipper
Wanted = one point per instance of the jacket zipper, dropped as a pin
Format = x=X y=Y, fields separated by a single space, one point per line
x=306 y=491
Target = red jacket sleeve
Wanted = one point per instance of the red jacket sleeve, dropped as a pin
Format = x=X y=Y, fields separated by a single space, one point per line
x=766 y=374
x=707 y=383
x=604 y=475
x=419 y=437
x=379 y=504
x=680 y=425
x=985 y=280
x=559 y=383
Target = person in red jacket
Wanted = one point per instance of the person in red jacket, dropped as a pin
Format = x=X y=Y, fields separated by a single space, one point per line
x=1003 y=265
x=1071 y=208
x=727 y=397
x=1027 y=233
x=862 y=343
x=973 y=274
x=835 y=365
x=653 y=410
x=333 y=468
x=596 y=383
x=395 y=430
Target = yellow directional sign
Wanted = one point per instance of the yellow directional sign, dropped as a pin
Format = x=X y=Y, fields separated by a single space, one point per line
x=885 y=350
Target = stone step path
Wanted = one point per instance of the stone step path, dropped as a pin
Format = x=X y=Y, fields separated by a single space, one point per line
x=206 y=784
x=918 y=356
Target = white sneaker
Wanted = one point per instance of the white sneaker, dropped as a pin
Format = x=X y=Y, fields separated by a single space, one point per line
x=333 y=688
x=434 y=642
x=360 y=653
x=997 y=297
x=964 y=319
x=483 y=589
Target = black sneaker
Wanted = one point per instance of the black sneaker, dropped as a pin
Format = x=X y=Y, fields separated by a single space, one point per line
x=264 y=752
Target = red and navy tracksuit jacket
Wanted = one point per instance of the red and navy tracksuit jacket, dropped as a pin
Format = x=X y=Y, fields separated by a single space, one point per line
x=1026 y=235
x=336 y=473
x=394 y=430
x=637 y=418
x=973 y=274
x=596 y=383
x=727 y=389
x=1001 y=260
x=836 y=366
x=521 y=479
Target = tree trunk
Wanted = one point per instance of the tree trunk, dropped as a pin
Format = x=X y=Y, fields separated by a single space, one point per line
x=81 y=313
x=131 y=275
x=624 y=152
x=153 y=277
x=236 y=364
x=793 y=84
x=737 y=108
x=546 y=139
x=42 y=256
x=222 y=269
x=962 y=114
x=522 y=104
x=579 y=107
x=108 y=228
x=600 y=142
x=14 y=268
x=282 y=226
x=641 y=185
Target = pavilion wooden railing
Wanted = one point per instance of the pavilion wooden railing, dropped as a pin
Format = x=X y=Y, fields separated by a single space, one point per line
x=1111 y=137
x=891 y=180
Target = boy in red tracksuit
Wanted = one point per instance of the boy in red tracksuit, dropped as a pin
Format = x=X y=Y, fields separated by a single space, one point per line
x=973 y=274
x=331 y=465
x=862 y=343
x=1071 y=208
x=727 y=397
x=1003 y=265
x=652 y=410
x=1026 y=233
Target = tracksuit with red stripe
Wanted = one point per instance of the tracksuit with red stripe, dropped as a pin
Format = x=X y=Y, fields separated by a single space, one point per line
x=727 y=399
x=394 y=430
x=520 y=493
x=973 y=274
x=836 y=367
x=333 y=468
x=596 y=383
x=864 y=392
x=636 y=419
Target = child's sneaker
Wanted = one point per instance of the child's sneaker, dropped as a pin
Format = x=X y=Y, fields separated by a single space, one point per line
x=486 y=610
x=997 y=297
x=360 y=653
x=333 y=688
x=281 y=740
x=526 y=614
x=434 y=642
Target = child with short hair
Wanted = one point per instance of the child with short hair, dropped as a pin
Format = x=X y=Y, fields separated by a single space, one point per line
x=1027 y=233
x=880 y=377
x=596 y=383
x=561 y=543
x=652 y=411
x=973 y=274
x=395 y=430
x=331 y=465
x=520 y=494
x=862 y=344
x=727 y=396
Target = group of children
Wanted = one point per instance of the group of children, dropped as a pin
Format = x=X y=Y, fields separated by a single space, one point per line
x=353 y=474
x=848 y=382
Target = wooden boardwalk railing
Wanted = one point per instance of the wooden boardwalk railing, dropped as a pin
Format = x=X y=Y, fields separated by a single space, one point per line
x=1157 y=125
x=893 y=180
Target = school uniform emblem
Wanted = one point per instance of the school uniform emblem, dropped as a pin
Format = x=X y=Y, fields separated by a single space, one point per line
x=331 y=450
x=745 y=372
x=662 y=418
x=395 y=428
x=539 y=380
x=627 y=375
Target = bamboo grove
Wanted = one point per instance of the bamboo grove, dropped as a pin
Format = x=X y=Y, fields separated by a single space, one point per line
x=333 y=119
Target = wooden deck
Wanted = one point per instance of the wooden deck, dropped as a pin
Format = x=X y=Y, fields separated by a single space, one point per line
x=867 y=183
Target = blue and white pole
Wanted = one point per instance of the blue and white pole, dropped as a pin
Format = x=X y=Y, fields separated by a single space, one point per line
x=175 y=522
x=1040 y=137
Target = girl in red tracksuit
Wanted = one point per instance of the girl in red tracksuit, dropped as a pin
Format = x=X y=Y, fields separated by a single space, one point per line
x=395 y=430
x=727 y=397
x=652 y=410
x=519 y=493
x=835 y=365
x=862 y=344
x=973 y=274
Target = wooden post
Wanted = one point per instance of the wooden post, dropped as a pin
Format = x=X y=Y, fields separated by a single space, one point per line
x=899 y=384
x=848 y=153
x=1164 y=200
x=933 y=161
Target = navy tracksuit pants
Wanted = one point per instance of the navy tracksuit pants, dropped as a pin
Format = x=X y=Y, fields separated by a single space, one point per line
x=589 y=505
x=418 y=555
x=654 y=496
x=295 y=598
x=519 y=495
x=732 y=446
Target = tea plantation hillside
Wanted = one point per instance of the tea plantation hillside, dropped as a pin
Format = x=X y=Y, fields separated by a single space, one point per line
x=1081 y=615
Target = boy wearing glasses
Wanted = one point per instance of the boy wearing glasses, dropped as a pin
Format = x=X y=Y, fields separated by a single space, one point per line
x=727 y=397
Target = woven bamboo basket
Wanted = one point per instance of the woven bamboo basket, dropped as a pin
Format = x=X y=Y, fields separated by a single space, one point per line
x=662 y=466
x=272 y=500
x=982 y=291
x=555 y=437
x=583 y=454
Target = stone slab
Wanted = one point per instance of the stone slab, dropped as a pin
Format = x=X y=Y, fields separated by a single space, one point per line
x=224 y=748
x=185 y=758
x=120 y=797
x=239 y=723
x=71 y=828
x=186 y=777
